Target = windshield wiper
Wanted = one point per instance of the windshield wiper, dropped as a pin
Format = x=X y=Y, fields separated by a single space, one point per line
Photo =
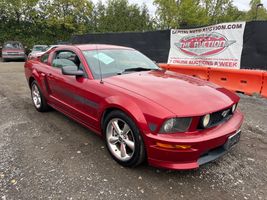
x=135 y=69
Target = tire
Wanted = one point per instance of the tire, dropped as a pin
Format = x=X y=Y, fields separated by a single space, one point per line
x=38 y=99
x=4 y=60
x=133 y=152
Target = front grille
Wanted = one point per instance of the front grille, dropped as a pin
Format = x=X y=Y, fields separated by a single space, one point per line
x=217 y=118
x=220 y=116
x=13 y=53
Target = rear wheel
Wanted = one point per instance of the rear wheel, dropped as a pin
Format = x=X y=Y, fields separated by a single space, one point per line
x=123 y=139
x=38 y=99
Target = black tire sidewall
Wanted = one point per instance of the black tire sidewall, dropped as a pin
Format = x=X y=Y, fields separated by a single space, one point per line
x=138 y=155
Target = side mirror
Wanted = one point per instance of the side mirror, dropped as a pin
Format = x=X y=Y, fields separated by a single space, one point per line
x=72 y=71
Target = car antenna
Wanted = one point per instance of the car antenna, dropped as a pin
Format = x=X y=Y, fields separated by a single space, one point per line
x=99 y=65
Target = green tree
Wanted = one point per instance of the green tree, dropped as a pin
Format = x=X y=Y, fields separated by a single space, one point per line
x=220 y=11
x=48 y=21
x=18 y=10
x=260 y=13
x=188 y=13
x=119 y=16
x=191 y=13
x=180 y=13
x=167 y=13
x=68 y=16
x=44 y=21
x=16 y=16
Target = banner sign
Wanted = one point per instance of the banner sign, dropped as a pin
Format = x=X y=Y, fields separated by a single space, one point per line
x=213 y=46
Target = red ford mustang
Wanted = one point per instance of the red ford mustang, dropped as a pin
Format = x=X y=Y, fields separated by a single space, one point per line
x=171 y=120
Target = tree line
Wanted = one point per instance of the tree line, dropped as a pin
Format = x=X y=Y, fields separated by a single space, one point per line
x=49 y=21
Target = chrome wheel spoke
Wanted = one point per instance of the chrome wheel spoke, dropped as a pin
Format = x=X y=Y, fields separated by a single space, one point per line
x=123 y=150
x=113 y=139
x=125 y=129
x=120 y=139
x=129 y=143
x=36 y=97
x=116 y=126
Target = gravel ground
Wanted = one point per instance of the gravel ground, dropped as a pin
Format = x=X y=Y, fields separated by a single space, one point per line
x=49 y=156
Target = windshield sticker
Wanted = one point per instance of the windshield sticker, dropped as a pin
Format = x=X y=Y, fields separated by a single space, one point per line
x=104 y=58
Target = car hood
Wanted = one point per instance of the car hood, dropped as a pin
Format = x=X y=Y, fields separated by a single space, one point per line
x=38 y=53
x=181 y=94
x=34 y=52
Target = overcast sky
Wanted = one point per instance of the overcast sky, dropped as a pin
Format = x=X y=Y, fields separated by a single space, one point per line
x=241 y=4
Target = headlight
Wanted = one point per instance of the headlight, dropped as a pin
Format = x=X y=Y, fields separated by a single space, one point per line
x=234 y=108
x=21 y=53
x=174 y=125
x=205 y=121
x=4 y=53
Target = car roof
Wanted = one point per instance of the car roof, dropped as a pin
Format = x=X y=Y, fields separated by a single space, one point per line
x=85 y=47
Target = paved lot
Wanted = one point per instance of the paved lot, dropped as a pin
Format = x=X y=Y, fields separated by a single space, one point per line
x=48 y=156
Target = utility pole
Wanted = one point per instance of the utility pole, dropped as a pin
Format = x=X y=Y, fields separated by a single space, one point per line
x=257 y=7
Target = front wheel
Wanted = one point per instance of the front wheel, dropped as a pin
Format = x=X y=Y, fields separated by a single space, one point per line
x=38 y=99
x=123 y=139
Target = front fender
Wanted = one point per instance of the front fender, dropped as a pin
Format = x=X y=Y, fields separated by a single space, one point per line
x=41 y=82
x=128 y=106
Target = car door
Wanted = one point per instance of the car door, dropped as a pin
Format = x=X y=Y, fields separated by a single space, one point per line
x=69 y=93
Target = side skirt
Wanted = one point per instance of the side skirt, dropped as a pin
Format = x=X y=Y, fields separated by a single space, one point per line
x=98 y=132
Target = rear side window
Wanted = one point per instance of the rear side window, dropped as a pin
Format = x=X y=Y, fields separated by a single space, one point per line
x=62 y=62
x=66 y=58
x=44 y=58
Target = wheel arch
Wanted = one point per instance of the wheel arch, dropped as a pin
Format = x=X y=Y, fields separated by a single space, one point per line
x=31 y=79
x=131 y=109
x=35 y=76
x=137 y=118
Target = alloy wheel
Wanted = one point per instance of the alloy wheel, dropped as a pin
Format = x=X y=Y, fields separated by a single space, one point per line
x=36 y=96
x=120 y=139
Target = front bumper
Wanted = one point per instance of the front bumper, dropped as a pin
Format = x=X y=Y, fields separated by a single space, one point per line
x=206 y=145
x=14 y=57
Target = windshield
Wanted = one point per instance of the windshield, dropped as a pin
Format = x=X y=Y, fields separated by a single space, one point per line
x=13 y=45
x=117 y=61
x=39 y=48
